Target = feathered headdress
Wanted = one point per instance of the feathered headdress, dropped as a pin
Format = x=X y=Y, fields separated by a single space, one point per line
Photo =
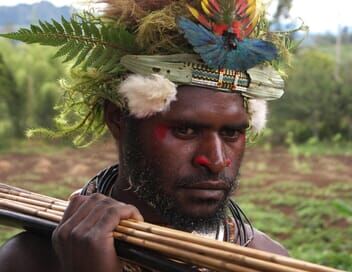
x=220 y=44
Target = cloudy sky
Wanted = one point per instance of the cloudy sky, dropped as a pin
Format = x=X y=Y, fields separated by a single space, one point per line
x=319 y=15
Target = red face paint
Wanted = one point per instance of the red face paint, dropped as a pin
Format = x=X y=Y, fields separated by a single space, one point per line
x=202 y=160
x=160 y=132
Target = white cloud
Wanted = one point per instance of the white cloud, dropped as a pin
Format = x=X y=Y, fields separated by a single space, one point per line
x=323 y=15
x=58 y=3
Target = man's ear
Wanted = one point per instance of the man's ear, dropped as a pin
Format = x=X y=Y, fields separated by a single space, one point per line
x=113 y=117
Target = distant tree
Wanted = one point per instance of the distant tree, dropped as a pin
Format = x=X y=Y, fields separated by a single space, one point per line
x=344 y=91
x=34 y=75
x=45 y=111
x=315 y=104
x=13 y=99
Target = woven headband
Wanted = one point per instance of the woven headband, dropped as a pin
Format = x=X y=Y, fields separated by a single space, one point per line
x=258 y=83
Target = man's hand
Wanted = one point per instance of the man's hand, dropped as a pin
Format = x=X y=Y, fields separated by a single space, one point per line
x=84 y=241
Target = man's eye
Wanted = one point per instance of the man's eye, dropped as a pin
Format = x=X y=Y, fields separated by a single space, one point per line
x=231 y=134
x=184 y=132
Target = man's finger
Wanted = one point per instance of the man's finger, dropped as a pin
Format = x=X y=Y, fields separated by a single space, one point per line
x=75 y=202
x=112 y=216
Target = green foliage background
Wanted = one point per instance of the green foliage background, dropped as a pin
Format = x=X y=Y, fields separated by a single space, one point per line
x=29 y=88
x=317 y=103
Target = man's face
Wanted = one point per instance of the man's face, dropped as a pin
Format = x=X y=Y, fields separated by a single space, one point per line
x=185 y=161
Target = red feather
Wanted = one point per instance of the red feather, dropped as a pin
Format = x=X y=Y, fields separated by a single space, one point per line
x=237 y=30
x=243 y=22
x=220 y=29
x=241 y=7
x=200 y=17
x=215 y=5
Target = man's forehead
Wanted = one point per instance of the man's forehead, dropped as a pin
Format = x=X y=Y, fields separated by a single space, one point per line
x=203 y=103
x=191 y=97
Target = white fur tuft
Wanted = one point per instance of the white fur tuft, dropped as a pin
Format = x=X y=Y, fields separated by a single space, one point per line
x=148 y=95
x=257 y=110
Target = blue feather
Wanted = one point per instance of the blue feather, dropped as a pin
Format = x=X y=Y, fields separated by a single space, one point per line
x=250 y=53
x=216 y=53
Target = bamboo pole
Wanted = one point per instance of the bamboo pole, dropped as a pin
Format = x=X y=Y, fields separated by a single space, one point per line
x=34 y=202
x=258 y=254
x=211 y=252
x=150 y=239
x=190 y=257
x=197 y=259
x=154 y=237
x=42 y=209
x=33 y=196
x=30 y=211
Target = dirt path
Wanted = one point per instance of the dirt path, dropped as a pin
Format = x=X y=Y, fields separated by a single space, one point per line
x=278 y=164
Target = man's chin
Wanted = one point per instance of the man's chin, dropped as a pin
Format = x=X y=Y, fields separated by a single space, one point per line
x=203 y=216
x=201 y=208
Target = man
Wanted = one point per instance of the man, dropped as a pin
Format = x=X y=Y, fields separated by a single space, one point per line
x=167 y=151
x=180 y=150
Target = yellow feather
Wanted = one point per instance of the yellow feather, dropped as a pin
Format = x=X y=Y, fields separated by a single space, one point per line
x=251 y=8
x=255 y=9
x=251 y=11
x=194 y=12
x=205 y=5
x=251 y=2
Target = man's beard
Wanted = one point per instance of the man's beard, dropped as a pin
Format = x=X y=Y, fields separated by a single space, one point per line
x=148 y=189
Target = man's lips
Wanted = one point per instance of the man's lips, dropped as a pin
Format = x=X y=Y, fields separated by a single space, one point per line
x=207 y=185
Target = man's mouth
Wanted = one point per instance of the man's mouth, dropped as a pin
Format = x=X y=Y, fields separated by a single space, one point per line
x=214 y=189
x=207 y=185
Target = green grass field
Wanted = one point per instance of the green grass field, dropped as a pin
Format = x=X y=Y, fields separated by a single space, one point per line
x=304 y=218
x=292 y=198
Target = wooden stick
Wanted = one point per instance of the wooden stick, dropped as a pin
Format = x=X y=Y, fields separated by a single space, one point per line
x=258 y=254
x=177 y=237
x=189 y=257
x=47 y=215
x=198 y=260
x=38 y=208
x=34 y=202
x=27 y=210
x=32 y=196
x=210 y=252
x=230 y=258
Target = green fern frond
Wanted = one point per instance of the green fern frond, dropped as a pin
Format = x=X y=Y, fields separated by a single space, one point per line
x=86 y=39
x=68 y=26
x=82 y=55
x=74 y=51
x=81 y=110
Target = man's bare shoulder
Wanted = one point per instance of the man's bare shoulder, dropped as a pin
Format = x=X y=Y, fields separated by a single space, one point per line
x=28 y=252
x=263 y=242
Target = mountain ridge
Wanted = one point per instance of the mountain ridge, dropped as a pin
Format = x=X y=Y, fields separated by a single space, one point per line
x=23 y=15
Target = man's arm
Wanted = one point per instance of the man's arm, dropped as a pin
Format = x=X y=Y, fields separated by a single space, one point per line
x=28 y=252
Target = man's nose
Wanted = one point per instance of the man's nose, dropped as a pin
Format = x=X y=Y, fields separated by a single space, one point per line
x=211 y=154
